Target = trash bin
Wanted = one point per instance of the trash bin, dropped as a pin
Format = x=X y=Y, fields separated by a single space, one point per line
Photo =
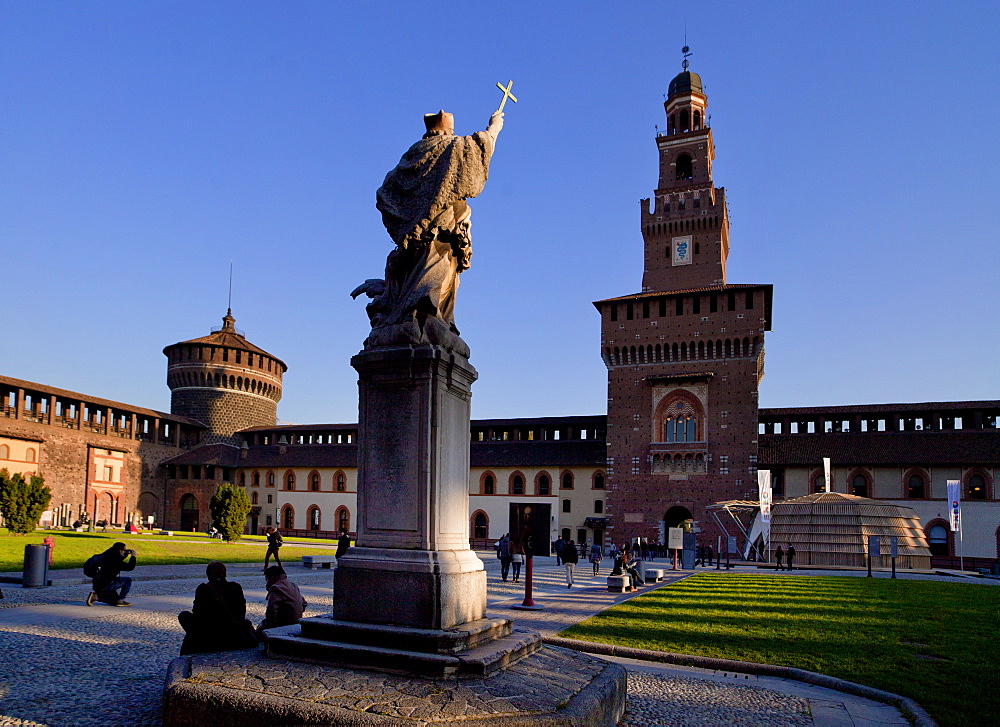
x=36 y=566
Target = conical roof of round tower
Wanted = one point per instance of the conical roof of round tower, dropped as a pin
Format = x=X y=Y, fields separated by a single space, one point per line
x=228 y=337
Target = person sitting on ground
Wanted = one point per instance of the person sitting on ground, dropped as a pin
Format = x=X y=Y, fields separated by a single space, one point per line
x=105 y=571
x=218 y=620
x=274 y=543
x=285 y=603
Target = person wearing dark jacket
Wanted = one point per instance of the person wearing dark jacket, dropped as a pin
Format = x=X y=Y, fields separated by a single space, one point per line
x=570 y=559
x=285 y=603
x=343 y=544
x=274 y=543
x=218 y=619
x=109 y=585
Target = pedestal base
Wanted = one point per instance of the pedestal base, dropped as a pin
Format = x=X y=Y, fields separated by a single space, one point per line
x=423 y=589
x=551 y=687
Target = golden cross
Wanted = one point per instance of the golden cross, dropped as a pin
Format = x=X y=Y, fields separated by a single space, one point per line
x=506 y=93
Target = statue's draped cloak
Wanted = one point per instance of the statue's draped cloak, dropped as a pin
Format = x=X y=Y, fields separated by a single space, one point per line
x=435 y=173
x=423 y=208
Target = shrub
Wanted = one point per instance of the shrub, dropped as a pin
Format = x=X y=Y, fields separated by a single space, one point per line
x=22 y=502
x=230 y=507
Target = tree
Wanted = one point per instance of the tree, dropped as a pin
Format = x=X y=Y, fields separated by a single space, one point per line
x=22 y=502
x=230 y=507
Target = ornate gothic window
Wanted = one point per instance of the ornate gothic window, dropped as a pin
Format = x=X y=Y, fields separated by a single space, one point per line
x=976 y=487
x=916 y=487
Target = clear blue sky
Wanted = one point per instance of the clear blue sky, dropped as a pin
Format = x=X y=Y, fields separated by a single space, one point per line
x=145 y=145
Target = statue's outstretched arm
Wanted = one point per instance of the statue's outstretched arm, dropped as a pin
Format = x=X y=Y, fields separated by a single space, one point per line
x=496 y=123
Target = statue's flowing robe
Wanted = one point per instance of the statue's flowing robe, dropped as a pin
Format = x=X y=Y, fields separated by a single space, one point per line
x=423 y=210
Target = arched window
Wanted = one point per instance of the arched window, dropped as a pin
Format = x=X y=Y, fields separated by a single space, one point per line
x=488 y=484
x=543 y=486
x=598 y=480
x=567 y=506
x=314 y=518
x=598 y=507
x=859 y=485
x=4 y=451
x=270 y=479
x=341 y=482
x=289 y=480
x=916 y=487
x=255 y=479
x=516 y=484
x=480 y=526
x=243 y=479
x=288 y=517
x=567 y=481
x=937 y=539
x=818 y=482
x=685 y=167
x=314 y=481
x=343 y=520
x=975 y=486
x=680 y=428
x=253 y=497
x=29 y=455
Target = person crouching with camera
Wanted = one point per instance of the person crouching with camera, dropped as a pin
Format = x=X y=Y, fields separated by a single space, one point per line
x=105 y=569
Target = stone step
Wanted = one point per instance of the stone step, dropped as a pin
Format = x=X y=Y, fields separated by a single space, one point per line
x=427 y=641
x=482 y=660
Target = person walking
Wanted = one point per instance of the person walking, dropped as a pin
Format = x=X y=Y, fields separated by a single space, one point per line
x=218 y=619
x=596 y=556
x=105 y=569
x=343 y=544
x=790 y=555
x=274 y=543
x=516 y=559
x=709 y=553
x=570 y=559
x=503 y=554
x=779 y=555
x=560 y=547
x=285 y=603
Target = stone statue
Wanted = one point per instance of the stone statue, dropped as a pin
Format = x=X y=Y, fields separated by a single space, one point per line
x=423 y=208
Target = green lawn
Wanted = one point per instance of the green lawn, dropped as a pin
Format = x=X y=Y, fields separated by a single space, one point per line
x=935 y=642
x=72 y=549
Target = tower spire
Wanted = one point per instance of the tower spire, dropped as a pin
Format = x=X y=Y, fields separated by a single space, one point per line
x=229 y=307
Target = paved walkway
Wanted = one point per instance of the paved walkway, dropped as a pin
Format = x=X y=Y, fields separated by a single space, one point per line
x=66 y=664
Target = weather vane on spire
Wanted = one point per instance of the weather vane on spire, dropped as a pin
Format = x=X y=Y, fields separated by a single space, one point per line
x=686 y=51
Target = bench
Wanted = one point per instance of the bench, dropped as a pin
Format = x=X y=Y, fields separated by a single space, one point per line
x=619 y=584
x=321 y=561
x=653 y=575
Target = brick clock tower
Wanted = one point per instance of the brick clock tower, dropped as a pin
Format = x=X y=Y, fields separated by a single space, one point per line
x=686 y=355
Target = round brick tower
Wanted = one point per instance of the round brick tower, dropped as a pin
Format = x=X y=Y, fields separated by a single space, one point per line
x=224 y=381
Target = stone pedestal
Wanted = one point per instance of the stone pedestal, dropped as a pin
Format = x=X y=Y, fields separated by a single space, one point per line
x=412 y=565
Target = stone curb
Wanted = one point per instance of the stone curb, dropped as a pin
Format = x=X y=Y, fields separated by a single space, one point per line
x=910 y=709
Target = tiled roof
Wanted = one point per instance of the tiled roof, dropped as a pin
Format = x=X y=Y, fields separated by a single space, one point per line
x=222 y=455
x=688 y=291
x=570 y=453
x=980 y=447
x=227 y=337
x=74 y=396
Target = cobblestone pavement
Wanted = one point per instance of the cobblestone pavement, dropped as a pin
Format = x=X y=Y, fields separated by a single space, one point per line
x=66 y=664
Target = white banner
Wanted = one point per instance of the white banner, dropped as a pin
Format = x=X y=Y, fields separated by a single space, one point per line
x=764 y=493
x=675 y=538
x=826 y=473
x=681 y=254
x=955 y=504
